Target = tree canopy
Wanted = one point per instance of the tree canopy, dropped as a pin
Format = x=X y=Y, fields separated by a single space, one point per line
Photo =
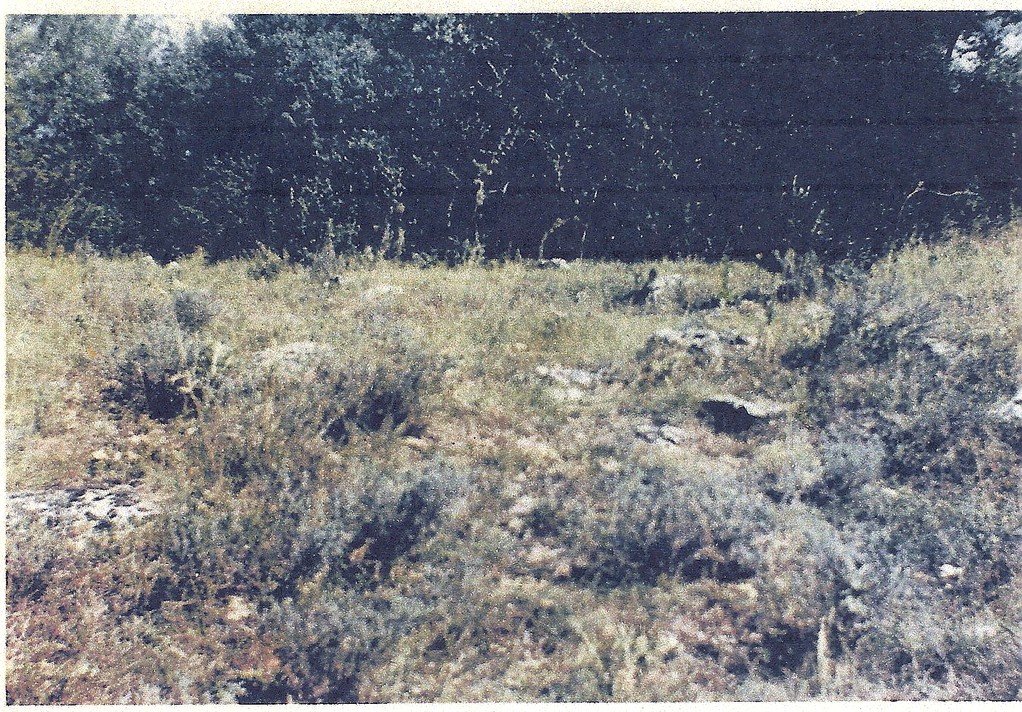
x=623 y=136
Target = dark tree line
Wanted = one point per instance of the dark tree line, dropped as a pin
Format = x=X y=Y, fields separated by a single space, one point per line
x=547 y=135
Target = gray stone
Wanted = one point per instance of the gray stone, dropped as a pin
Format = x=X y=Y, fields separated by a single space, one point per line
x=675 y=435
x=648 y=432
x=523 y=506
x=667 y=434
x=697 y=340
x=569 y=376
x=949 y=572
x=81 y=510
x=939 y=347
x=1007 y=417
x=382 y=290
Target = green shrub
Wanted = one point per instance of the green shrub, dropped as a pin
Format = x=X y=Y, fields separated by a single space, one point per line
x=272 y=504
x=914 y=638
x=324 y=647
x=376 y=386
x=894 y=364
x=647 y=522
x=194 y=309
x=916 y=477
x=272 y=513
x=165 y=372
x=801 y=275
x=34 y=555
x=268 y=521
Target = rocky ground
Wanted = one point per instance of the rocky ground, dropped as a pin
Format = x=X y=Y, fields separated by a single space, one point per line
x=79 y=513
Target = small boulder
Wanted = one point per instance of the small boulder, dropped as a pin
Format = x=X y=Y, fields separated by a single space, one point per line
x=568 y=376
x=736 y=416
x=542 y=556
x=939 y=348
x=693 y=340
x=1010 y=411
x=677 y=436
x=950 y=573
x=666 y=434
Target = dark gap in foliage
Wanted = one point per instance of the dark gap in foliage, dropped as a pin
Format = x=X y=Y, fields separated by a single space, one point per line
x=786 y=649
x=257 y=692
x=719 y=146
x=382 y=541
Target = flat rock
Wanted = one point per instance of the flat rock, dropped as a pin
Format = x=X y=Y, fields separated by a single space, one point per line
x=667 y=434
x=293 y=360
x=82 y=510
x=677 y=436
x=697 y=340
x=382 y=290
x=569 y=376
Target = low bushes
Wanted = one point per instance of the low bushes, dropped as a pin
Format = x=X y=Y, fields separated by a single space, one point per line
x=895 y=364
x=649 y=522
x=271 y=513
x=917 y=473
x=166 y=365
x=580 y=536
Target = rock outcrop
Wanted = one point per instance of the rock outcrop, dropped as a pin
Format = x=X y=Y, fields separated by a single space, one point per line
x=569 y=376
x=78 y=513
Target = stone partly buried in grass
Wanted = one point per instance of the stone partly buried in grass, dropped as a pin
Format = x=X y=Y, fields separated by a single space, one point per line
x=696 y=340
x=570 y=384
x=736 y=416
x=569 y=376
x=670 y=353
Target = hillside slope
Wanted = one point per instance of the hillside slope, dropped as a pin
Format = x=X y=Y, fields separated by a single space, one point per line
x=370 y=481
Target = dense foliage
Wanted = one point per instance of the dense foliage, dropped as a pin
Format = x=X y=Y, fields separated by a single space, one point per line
x=611 y=135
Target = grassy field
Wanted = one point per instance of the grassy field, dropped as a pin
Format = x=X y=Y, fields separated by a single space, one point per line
x=375 y=481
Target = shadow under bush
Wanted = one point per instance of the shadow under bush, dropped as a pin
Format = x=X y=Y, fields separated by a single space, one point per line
x=647 y=522
x=168 y=366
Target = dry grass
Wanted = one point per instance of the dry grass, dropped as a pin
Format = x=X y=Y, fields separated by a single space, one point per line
x=563 y=525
